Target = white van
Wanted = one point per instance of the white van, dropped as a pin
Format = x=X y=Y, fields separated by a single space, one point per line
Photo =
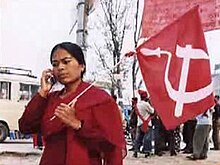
x=17 y=86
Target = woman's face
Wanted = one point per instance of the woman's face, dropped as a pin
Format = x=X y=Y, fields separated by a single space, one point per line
x=66 y=68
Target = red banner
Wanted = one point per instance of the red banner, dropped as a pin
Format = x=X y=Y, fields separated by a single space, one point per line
x=159 y=13
x=176 y=70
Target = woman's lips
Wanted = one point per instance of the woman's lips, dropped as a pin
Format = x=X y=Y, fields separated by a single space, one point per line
x=62 y=76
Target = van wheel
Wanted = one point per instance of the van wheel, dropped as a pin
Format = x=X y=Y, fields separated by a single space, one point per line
x=3 y=132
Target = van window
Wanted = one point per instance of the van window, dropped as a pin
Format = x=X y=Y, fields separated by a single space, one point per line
x=5 y=88
x=27 y=91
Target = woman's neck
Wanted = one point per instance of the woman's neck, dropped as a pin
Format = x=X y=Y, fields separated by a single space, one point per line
x=69 y=88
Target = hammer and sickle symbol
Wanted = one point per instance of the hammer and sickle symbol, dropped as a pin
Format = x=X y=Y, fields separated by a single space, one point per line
x=180 y=96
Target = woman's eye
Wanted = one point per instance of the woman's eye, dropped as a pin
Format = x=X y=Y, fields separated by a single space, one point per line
x=54 y=64
x=66 y=61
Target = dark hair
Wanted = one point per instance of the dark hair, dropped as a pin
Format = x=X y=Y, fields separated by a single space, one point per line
x=134 y=99
x=217 y=97
x=73 y=49
x=144 y=98
x=114 y=97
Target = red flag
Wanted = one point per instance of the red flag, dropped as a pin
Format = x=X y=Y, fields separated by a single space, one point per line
x=159 y=13
x=176 y=70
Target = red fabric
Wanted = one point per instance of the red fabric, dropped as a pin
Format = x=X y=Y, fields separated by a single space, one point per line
x=157 y=14
x=101 y=134
x=129 y=54
x=144 y=126
x=153 y=64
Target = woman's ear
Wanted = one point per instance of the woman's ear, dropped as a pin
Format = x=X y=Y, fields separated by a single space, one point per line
x=83 y=68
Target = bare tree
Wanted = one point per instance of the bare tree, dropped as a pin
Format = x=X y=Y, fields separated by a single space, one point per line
x=120 y=16
x=115 y=25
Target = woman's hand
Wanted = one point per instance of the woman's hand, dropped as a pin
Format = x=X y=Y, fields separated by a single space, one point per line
x=46 y=85
x=67 y=115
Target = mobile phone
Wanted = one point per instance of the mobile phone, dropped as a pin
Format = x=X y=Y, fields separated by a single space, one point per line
x=52 y=80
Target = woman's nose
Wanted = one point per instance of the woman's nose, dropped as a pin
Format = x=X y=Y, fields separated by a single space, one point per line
x=60 y=66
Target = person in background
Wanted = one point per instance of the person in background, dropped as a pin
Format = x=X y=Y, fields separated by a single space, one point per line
x=80 y=123
x=121 y=113
x=188 y=132
x=38 y=142
x=201 y=136
x=159 y=136
x=216 y=124
x=133 y=121
x=174 y=140
x=144 y=112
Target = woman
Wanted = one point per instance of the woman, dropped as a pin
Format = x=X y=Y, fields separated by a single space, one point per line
x=86 y=132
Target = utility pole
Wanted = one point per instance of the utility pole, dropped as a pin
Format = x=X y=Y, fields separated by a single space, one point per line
x=82 y=19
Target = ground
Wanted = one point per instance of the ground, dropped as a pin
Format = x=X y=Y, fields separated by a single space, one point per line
x=22 y=153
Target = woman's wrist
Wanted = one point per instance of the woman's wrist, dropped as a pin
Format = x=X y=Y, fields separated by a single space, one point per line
x=77 y=125
x=42 y=93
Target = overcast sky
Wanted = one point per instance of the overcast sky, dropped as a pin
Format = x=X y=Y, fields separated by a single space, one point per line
x=30 y=28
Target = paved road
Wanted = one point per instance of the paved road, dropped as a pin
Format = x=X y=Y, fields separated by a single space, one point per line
x=22 y=153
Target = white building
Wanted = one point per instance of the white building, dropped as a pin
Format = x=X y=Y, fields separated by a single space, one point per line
x=216 y=79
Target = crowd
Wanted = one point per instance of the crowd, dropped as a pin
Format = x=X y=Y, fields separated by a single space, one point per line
x=149 y=136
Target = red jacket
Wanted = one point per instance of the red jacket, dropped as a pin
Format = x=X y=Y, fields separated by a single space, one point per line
x=101 y=136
